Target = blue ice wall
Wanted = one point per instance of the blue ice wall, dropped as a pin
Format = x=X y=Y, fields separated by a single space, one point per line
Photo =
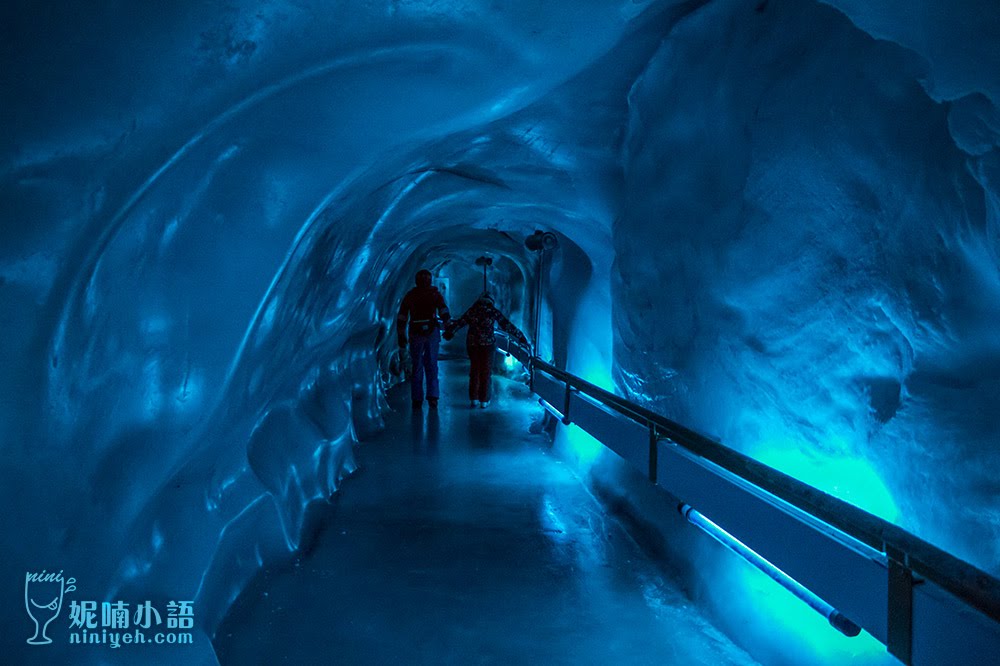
x=209 y=216
x=778 y=223
x=822 y=270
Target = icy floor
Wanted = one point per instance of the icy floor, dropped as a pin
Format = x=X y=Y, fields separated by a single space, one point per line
x=461 y=540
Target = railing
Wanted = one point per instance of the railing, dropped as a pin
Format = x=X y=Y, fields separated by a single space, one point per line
x=903 y=562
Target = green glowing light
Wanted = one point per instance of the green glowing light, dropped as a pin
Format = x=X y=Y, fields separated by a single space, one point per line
x=851 y=479
x=582 y=445
x=804 y=632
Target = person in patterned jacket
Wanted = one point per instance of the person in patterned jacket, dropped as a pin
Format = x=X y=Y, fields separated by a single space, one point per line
x=481 y=344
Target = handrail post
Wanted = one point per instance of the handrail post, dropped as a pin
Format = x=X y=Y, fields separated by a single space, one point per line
x=899 y=630
x=569 y=394
x=654 y=437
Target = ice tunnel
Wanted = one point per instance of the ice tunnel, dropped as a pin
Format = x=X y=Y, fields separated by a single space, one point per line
x=754 y=246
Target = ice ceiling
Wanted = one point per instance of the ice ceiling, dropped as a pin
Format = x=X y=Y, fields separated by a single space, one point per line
x=780 y=224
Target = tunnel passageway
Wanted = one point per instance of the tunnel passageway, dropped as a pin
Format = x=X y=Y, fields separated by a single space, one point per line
x=461 y=539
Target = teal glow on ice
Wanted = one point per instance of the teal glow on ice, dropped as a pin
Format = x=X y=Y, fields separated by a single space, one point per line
x=583 y=445
x=853 y=480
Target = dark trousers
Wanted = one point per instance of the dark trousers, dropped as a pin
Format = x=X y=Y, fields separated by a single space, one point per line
x=480 y=371
x=424 y=355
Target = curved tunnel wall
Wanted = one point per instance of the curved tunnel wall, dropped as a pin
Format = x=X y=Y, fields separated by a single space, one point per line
x=784 y=215
x=833 y=247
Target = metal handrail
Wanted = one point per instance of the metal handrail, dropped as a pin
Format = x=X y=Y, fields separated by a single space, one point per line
x=967 y=582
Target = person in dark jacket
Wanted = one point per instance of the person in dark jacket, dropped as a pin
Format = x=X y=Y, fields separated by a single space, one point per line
x=481 y=344
x=425 y=310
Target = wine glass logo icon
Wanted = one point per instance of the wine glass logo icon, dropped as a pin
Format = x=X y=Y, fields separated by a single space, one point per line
x=43 y=599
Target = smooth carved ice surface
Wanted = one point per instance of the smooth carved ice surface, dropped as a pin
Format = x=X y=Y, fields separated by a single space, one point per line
x=779 y=223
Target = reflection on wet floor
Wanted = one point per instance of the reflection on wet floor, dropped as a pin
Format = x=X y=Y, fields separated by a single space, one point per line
x=463 y=540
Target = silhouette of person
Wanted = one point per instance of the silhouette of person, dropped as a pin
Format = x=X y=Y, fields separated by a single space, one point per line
x=481 y=344
x=425 y=310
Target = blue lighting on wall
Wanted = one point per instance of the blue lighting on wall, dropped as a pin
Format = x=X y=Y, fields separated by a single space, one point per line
x=832 y=615
x=778 y=612
x=583 y=445
x=853 y=480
